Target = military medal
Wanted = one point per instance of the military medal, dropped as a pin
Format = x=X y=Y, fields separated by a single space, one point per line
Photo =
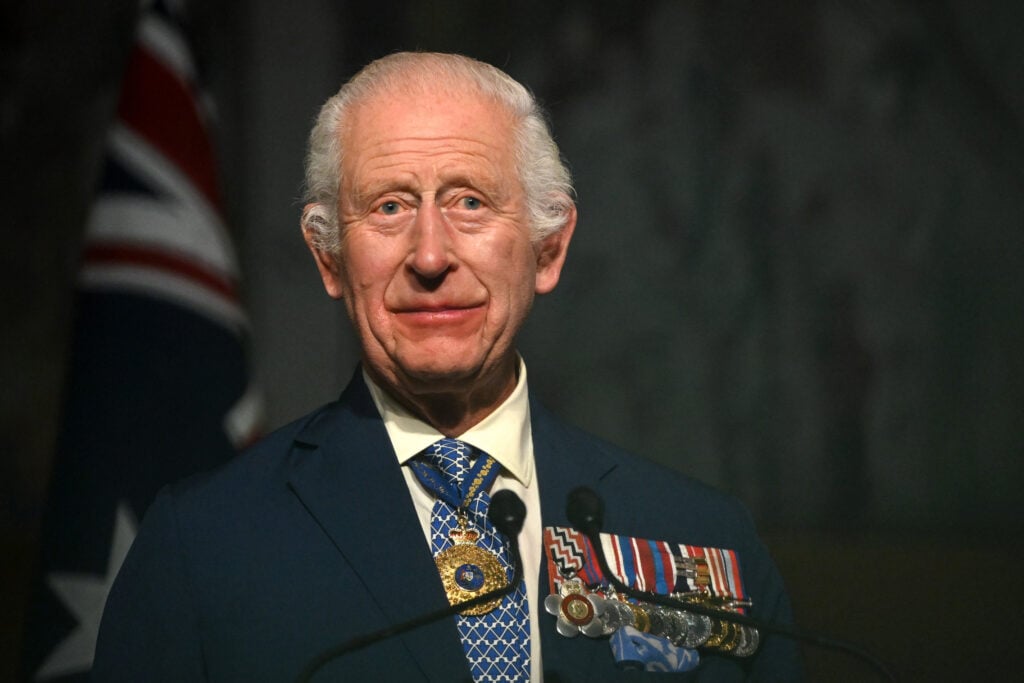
x=583 y=602
x=467 y=570
x=749 y=640
x=698 y=629
x=641 y=620
x=577 y=609
x=723 y=636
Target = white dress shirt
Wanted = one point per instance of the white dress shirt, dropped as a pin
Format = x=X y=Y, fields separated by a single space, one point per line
x=506 y=436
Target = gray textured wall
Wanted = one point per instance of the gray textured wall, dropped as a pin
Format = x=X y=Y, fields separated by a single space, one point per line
x=796 y=271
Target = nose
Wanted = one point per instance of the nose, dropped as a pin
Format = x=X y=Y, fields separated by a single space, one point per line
x=430 y=254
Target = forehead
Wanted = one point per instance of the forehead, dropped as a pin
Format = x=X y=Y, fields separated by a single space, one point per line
x=442 y=127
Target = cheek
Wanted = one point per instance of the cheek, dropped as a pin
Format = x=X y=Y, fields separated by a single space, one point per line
x=515 y=270
x=507 y=252
x=368 y=266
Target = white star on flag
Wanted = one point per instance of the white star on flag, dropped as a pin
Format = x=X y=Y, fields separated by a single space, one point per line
x=84 y=595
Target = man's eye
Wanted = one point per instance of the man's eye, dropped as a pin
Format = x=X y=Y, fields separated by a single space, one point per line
x=471 y=203
x=389 y=208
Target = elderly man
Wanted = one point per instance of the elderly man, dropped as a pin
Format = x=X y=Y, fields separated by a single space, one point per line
x=438 y=207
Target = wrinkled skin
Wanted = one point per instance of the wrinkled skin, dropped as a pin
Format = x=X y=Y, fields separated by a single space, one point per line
x=437 y=268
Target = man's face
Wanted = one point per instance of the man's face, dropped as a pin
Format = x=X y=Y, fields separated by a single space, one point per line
x=436 y=265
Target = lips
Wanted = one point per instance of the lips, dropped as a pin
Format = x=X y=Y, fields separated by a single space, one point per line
x=436 y=308
x=440 y=317
x=440 y=312
x=433 y=307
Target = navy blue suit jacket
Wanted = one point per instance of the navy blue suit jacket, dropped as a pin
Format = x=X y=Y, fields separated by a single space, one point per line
x=310 y=538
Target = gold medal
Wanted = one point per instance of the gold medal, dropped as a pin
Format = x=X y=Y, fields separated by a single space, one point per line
x=468 y=570
x=641 y=621
x=724 y=636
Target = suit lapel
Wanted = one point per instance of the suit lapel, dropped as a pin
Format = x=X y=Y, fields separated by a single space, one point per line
x=347 y=478
x=345 y=471
x=561 y=467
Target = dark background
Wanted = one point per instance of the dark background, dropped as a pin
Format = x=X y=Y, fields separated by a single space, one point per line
x=797 y=272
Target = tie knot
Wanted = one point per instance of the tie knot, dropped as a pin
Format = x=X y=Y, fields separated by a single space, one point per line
x=450 y=457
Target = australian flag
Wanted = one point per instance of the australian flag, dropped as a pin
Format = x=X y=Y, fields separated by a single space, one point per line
x=158 y=384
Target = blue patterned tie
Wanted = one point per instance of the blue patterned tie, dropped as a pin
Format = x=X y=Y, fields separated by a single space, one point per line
x=497 y=644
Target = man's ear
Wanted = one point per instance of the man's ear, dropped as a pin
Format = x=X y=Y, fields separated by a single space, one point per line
x=326 y=262
x=551 y=252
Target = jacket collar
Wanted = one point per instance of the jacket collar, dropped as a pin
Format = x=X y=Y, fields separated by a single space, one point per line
x=338 y=463
x=340 y=477
x=564 y=463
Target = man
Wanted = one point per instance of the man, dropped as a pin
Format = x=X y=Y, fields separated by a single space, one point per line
x=438 y=207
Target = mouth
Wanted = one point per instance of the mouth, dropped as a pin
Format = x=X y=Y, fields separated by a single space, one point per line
x=440 y=316
x=435 y=306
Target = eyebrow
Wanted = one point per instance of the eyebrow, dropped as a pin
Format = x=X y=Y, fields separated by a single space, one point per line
x=368 y=193
x=486 y=183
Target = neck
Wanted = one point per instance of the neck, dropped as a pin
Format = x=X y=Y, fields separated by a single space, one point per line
x=454 y=407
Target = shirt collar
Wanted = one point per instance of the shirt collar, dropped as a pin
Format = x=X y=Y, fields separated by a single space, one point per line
x=504 y=434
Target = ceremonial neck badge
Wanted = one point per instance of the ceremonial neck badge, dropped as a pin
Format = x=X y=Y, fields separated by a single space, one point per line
x=466 y=569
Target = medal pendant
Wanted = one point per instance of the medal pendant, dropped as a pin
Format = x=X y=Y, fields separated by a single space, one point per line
x=467 y=570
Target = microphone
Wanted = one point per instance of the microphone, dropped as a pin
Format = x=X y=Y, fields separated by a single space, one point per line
x=585 y=511
x=506 y=512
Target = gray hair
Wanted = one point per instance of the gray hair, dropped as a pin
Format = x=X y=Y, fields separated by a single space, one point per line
x=545 y=179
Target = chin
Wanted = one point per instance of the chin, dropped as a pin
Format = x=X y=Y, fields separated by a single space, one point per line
x=439 y=376
x=442 y=360
x=444 y=368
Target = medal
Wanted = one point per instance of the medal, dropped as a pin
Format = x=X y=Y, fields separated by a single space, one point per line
x=467 y=570
x=723 y=636
x=749 y=640
x=577 y=610
x=641 y=620
x=710 y=578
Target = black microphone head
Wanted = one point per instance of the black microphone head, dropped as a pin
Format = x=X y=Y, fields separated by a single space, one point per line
x=507 y=513
x=585 y=510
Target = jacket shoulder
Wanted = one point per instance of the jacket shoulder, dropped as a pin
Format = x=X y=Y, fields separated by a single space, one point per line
x=637 y=481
